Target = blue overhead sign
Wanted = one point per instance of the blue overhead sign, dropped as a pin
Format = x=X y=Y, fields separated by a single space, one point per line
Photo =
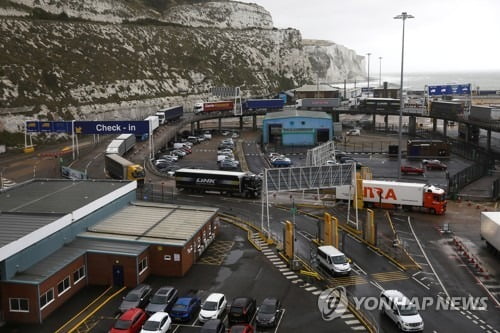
x=48 y=126
x=449 y=89
x=111 y=127
x=88 y=127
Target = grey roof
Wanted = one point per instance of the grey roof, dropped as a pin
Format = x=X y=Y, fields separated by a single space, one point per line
x=70 y=252
x=293 y=113
x=153 y=223
x=14 y=225
x=314 y=87
x=55 y=196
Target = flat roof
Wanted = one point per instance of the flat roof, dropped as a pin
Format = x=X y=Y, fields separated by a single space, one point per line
x=55 y=196
x=14 y=225
x=153 y=223
x=70 y=252
x=293 y=113
x=315 y=87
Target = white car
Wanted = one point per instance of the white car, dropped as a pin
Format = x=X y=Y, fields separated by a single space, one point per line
x=331 y=162
x=213 y=307
x=159 y=322
x=223 y=157
x=225 y=151
x=399 y=308
x=355 y=131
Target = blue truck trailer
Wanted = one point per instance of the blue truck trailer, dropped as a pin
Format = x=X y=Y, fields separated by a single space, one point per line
x=170 y=114
x=269 y=104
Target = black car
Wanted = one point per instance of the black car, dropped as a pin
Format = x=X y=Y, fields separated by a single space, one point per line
x=162 y=300
x=136 y=298
x=213 y=326
x=242 y=310
x=268 y=313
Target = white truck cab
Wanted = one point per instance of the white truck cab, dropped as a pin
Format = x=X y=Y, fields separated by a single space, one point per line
x=333 y=260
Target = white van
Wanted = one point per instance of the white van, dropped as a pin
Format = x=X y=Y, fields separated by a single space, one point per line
x=401 y=310
x=333 y=260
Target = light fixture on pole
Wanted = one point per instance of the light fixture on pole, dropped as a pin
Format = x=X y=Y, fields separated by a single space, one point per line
x=403 y=16
x=369 y=54
x=380 y=72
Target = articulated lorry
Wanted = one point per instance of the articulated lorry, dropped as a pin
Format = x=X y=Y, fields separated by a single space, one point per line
x=170 y=114
x=213 y=106
x=121 y=145
x=268 y=104
x=317 y=103
x=386 y=194
x=224 y=182
x=490 y=229
x=118 y=167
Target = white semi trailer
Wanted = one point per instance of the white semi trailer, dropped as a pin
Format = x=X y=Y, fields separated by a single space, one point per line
x=490 y=229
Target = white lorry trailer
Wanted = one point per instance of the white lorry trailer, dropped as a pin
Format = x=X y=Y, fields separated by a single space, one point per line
x=490 y=229
x=407 y=195
x=121 y=145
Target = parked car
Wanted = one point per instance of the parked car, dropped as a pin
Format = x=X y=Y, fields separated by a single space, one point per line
x=400 y=310
x=406 y=169
x=242 y=310
x=213 y=307
x=170 y=157
x=224 y=151
x=228 y=164
x=136 y=298
x=179 y=153
x=274 y=155
x=434 y=165
x=268 y=313
x=185 y=308
x=281 y=162
x=213 y=326
x=235 y=135
x=130 y=321
x=159 y=322
x=354 y=131
x=193 y=139
x=245 y=328
x=221 y=158
x=344 y=158
x=225 y=133
x=331 y=162
x=162 y=300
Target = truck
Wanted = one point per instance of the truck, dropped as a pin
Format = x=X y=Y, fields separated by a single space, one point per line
x=154 y=123
x=170 y=114
x=490 y=229
x=121 y=145
x=118 y=167
x=225 y=182
x=484 y=113
x=213 y=106
x=268 y=104
x=391 y=194
x=450 y=110
x=315 y=103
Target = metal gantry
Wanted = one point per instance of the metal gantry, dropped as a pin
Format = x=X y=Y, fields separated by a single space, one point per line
x=320 y=154
x=301 y=179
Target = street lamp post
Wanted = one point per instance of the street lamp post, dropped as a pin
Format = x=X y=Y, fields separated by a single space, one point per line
x=403 y=16
x=369 y=54
x=380 y=71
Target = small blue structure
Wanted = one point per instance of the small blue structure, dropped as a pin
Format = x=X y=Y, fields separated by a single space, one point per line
x=297 y=128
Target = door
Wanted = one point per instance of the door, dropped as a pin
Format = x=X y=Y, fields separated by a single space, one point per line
x=118 y=275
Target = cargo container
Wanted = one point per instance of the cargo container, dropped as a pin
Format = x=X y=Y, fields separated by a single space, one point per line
x=490 y=229
x=213 y=106
x=268 y=104
x=225 y=182
x=121 y=145
x=120 y=168
x=398 y=194
x=484 y=113
x=170 y=114
x=447 y=110
x=310 y=103
x=128 y=141
x=154 y=123
x=428 y=148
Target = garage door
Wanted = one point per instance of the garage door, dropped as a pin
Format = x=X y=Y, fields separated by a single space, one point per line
x=299 y=137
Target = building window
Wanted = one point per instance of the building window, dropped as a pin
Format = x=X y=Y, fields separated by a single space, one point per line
x=19 y=305
x=303 y=122
x=63 y=286
x=47 y=298
x=79 y=274
x=143 y=265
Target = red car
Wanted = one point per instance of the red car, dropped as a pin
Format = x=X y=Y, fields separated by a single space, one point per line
x=406 y=169
x=247 y=328
x=434 y=164
x=130 y=321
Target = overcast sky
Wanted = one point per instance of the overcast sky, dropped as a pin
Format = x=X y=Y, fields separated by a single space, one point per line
x=445 y=35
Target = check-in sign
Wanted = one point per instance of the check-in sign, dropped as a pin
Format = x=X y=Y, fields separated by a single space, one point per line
x=111 y=127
